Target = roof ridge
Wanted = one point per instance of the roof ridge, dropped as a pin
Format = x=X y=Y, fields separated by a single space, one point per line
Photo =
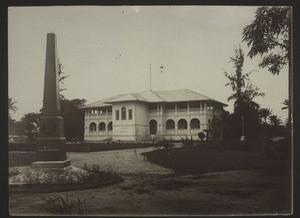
x=161 y=98
x=199 y=93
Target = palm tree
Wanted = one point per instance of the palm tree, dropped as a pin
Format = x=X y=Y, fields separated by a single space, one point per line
x=286 y=104
x=265 y=113
x=275 y=120
x=11 y=105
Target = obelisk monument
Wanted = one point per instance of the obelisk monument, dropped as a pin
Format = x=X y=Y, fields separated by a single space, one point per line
x=51 y=141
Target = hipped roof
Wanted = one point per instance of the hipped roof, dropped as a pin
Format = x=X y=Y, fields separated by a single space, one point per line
x=182 y=95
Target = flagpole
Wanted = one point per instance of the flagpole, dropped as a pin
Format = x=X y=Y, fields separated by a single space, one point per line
x=150 y=78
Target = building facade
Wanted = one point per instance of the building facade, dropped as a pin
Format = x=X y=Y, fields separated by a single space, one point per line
x=171 y=114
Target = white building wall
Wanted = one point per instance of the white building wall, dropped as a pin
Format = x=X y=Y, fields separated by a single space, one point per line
x=141 y=121
x=124 y=129
x=137 y=129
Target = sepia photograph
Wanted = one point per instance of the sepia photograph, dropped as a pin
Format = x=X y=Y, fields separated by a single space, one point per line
x=150 y=110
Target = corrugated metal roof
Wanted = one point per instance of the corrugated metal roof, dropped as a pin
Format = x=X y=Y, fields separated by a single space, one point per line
x=101 y=103
x=180 y=95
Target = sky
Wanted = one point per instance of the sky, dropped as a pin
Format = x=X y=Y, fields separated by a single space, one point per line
x=107 y=50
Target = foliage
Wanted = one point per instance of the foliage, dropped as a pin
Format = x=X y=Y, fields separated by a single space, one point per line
x=31 y=125
x=245 y=115
x=73 y=118
x=237 y=80
x=286 y=104
x=11 y=106
x=275 y=120
x=201 y=136
x=63 y=206
x=265 y=113
x=61 y=79
x=268 y=35
x=165 y=144
x=243 y=89
x=276 y=149
x=216 y=127
x=95 y=169
x=187 y=142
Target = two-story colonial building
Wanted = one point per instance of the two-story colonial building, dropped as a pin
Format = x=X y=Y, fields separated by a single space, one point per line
x=134 y=117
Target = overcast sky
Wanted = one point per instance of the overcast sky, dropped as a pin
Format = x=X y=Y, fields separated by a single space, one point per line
x=108 y=50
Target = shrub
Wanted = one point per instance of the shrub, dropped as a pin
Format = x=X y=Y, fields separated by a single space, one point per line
x=187 y=142
x=201 y=135
x=166 y=144
x=63 y=206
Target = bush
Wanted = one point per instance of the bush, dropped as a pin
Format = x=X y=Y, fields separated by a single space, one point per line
x=63 y=206
x=187 y=142
x=165 y=144
x=201 y=135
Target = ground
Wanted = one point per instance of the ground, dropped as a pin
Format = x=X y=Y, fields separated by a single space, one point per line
x=150 y=189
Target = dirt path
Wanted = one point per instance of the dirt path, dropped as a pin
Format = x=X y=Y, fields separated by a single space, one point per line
x=151 y=190
x=124 y=162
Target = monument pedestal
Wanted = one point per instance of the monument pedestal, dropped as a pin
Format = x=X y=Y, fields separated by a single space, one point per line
x=51 y=164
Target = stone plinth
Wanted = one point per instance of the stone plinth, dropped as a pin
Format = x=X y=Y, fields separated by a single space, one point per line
x=50 y=164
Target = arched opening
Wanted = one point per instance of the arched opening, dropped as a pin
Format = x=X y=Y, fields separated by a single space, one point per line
x=110 y=126
x=195 y=123
x=170 y=124
x=153 y=127
x=93 y=127
x=102 y=126
x=182 y=124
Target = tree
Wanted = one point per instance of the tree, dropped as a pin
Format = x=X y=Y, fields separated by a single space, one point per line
x=265 y=113
x=243 y=88
x=73 y=118
x=268 y=35
x=286 y=104
x=244 y=91
x=31 y=125
x=275 y=120
x=61 y=79
x=11 y=106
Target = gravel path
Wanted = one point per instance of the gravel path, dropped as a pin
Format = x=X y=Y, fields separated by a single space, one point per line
x=129 y=161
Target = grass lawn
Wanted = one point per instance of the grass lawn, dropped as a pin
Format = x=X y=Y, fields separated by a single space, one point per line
x=204 y=160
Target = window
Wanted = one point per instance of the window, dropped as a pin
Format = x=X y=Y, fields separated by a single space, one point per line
x=93 y=127
x=153 y=127
x=102 y=126
x=195 y=124
x=130 y=114
x=109 y=109
x=117 y=115
x=182 y=124
x=170 y=124
x=110 y=126
x=123 y=113
x=203 y=106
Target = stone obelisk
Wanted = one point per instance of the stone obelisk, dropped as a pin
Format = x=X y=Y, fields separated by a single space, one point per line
x=51 y=141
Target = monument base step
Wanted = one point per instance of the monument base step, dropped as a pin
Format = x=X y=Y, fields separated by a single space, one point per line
x=51 y=164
